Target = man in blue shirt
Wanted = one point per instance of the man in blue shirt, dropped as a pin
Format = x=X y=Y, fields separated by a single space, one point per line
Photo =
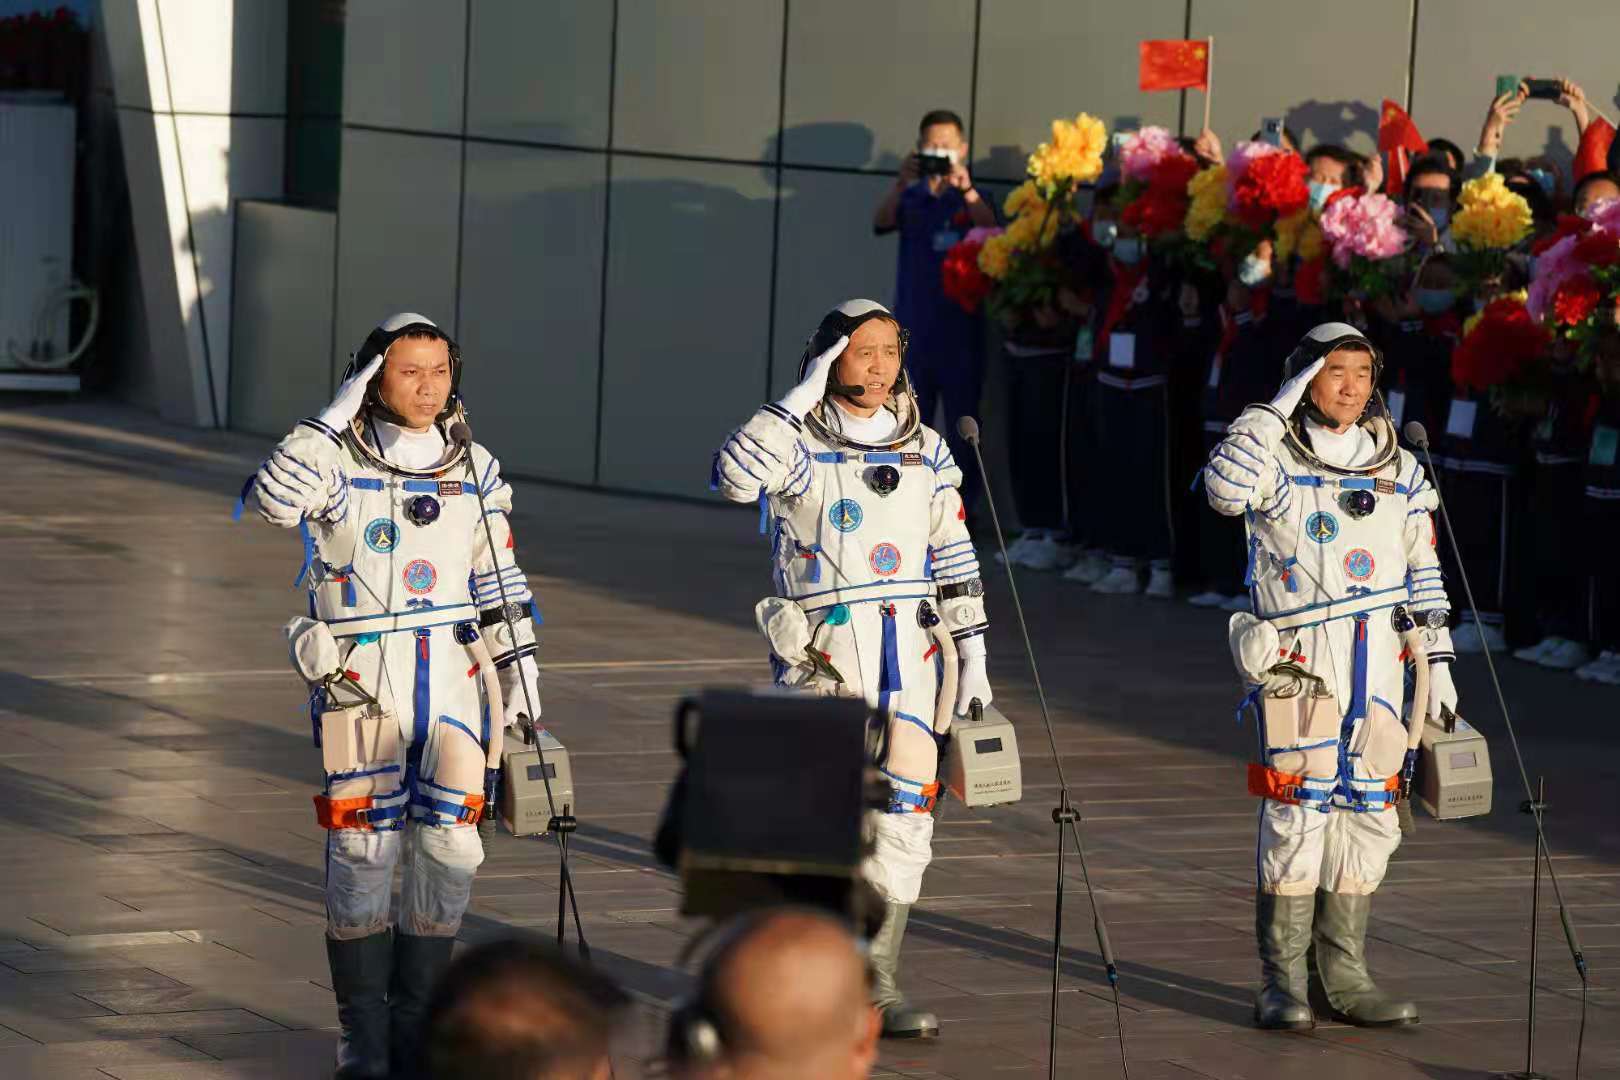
x=932 y=205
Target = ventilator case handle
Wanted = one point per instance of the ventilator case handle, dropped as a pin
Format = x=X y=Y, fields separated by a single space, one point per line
x=342 y=675
x=976 y=710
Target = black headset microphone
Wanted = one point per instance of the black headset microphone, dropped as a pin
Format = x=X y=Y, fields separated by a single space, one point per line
x=1419 y=437
x=561 y=824
x=1064 y=815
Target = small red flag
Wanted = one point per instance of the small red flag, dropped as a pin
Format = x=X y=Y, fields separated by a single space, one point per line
x=1594 y=152
x=1398 y=137
x=1174 y=65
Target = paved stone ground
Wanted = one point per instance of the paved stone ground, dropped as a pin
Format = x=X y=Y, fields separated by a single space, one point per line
x=160 y=903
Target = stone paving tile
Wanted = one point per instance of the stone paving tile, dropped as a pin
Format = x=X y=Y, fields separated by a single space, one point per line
x=193 y=813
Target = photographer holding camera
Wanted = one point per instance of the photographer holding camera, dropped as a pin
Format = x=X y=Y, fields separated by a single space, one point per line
x=932 y=205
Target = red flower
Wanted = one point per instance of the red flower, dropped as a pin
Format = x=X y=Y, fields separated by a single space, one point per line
x=1502 y=344
x=1174 y=171
x=1568 y=225
x=1157 y=211
x=960 y=218
x=1272 y=186
x=1598 y=248
x=1576 y=299
x=961 y=278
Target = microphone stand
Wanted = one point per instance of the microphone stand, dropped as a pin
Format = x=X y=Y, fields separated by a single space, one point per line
x=561 y=825
x=1534 y=804
x=1064 y=815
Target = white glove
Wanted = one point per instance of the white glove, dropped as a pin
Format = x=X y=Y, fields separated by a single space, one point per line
x=1288 y=398
x=802 y=398
x=972 y=682
x=1442 y=691
x=349 y=397
x=286 y=488
x=314 y=650
x=1255 y=644
x=512 y=684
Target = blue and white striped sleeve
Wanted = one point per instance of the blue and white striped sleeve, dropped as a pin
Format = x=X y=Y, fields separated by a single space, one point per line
x=1243 y=473
x=766 y=456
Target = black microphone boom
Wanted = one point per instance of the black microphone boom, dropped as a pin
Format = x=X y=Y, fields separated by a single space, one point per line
x=1418 y=437
x=1064 y=814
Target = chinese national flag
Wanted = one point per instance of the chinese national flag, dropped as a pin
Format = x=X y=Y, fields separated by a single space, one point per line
x=1174 y=65
x=1398 y=137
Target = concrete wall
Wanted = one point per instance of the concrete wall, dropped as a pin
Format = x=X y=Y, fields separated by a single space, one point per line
x=631 y=213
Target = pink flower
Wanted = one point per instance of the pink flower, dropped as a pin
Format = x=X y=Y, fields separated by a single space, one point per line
x=1554 y=266
x=1141 y=151
x=982 y=233
x=1606 y=215
x=1363 y=226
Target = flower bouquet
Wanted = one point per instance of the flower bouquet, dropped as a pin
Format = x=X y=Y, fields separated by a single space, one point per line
x=1577 y=283
x=960 y=275
x=1153 y=193
x=1366 y=244
x=1490 y=221
x=1504 y=353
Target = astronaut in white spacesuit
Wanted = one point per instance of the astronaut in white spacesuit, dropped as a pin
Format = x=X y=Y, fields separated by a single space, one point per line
x=1346 y=588
x=408 y=649
x=876 y=584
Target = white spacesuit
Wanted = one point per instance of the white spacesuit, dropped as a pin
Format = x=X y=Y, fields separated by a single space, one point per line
x=877 y=588
x=406 y=609
x=1346 y=585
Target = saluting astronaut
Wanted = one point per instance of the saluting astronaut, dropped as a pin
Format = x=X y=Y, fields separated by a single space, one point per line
x=877 y=590
x=1346 y=586
x=409 y=649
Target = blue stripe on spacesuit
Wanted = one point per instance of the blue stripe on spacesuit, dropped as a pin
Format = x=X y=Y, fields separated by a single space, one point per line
x=943 y=548
x=758 y=446
x=1238 y=484
x=960 y=573
x=889 y=673
x=309 y=552
x=1222 y=455
x=726 y=450
x=483 y=481
x=1230 y=445
x=366 y=483
x=908 y=718
x=453 y=722
x=420 y=701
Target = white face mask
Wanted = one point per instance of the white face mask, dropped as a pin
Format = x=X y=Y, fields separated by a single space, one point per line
x=1104 y=232
x=1320 y=191
x=1128 y=250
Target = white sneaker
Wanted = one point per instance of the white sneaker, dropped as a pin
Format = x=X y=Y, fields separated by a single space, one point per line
x=1159 y=585
x=1567 y=657
x=1119 y=581
x=1471 y=638
x=1240 y=602
x=1016 y=548
x=1605 y=669
x=1210 y=598
x=1041 y=554
x=1089 y=568
x=1534 y=653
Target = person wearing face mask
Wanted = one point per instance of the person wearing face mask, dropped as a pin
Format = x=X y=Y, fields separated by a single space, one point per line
x=1332 y=168
x=875 y=576
x=1431 y=190
x=1346 y=585
x=1242 y=366
x=1594 y=189
x=409 y=584
x=931 y=205
x=1137 y=338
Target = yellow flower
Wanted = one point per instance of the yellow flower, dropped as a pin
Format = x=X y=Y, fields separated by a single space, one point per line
x=1029 y=230
x=1489 y=215
x=1208 y=191
x=1298 y=234
x=994 y=256
x=1073 y=156
x=1311 y=243
x=1024 y=199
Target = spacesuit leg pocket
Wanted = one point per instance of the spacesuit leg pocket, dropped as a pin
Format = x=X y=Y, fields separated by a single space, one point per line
x=359 y=878
x=360 y=754
x=440 y=864
x=1300 y=728
x=902 y=849
x=1381 y=743
x=1289 y=856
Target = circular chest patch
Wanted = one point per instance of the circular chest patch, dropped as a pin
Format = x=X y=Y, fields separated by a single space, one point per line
x=885 y=560
x=1358 y=565
x=381 y=535
x=1322 y=527
x=420 y=577
x=845 y=515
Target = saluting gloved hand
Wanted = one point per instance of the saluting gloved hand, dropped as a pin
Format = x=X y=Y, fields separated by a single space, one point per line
x=802 y=398
x=1442 y=690
x=1289 y=397
x=972 y=681
x=350 y=396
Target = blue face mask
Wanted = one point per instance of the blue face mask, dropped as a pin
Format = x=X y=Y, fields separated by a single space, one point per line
x=1104 y=231
x=1546 y=179
x=1253 y=270
x=1320 y=190
x=1128 y=250
x=1441 y=216
x=1434 y=301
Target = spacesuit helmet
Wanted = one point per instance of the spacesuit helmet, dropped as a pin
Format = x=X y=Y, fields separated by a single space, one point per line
x=377 y=343
x=1317 y=343
x=380 y=340
x=843 y=321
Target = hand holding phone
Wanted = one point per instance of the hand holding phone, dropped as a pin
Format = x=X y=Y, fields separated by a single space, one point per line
x=1543 y=89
